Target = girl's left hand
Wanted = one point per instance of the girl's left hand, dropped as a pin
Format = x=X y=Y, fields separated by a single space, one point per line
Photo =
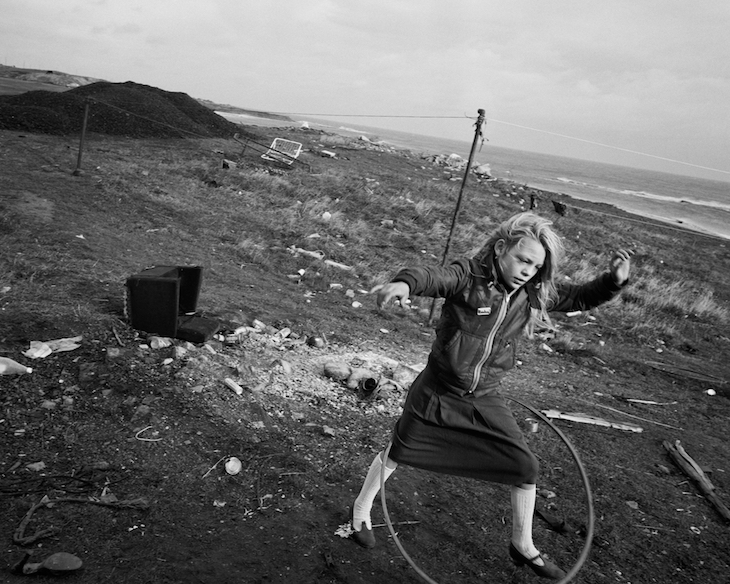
x=620 y=266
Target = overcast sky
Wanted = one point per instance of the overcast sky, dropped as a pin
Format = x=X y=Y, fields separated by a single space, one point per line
x=647 y=76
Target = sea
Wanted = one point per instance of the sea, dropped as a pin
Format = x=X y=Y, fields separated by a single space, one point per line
x=684 y=202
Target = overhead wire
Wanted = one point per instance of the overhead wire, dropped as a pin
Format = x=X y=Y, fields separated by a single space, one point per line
x=556 y=134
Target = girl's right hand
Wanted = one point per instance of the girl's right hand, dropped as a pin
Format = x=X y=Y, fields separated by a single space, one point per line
x=393 y=291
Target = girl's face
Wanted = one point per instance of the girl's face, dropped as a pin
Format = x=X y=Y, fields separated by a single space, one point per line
x=520 y=262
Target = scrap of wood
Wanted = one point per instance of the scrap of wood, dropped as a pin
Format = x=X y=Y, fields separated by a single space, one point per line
x=636 y=417
x=683 y=371
x=585 y=419
x=685 y=462
x=649 y=402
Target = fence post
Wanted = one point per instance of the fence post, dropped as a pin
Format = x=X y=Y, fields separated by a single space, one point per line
x=477 y=135
x=77 y=171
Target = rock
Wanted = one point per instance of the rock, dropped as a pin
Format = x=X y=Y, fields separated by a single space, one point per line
x=142 y=412
x=337 y=370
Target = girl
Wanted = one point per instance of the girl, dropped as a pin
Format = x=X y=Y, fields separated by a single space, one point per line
x=454 y=419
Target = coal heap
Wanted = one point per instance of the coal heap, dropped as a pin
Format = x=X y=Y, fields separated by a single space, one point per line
x=122 y=109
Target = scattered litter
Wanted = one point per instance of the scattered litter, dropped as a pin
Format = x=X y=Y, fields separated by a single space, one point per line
x=317 y=342
x=585 y=419
x=41 y=349
x=636 y=417
x=137 y=436
x=338 y=265
x=10 y=367
x=156 y=342
x=650 y=402
x=218 y=503
x=345 y=530
x=299 y=251
x=710 y=392
x=212 y=468
x=233 y=466
x=532 y=425
x=36 y=466
x=633 y=504
x=573 y=313
x=238 y=390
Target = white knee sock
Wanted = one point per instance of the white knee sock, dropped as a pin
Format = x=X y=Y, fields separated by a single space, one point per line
x=523 y=508
x=364 y=502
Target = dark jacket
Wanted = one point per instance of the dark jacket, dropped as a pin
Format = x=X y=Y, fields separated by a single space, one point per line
x=476 y=335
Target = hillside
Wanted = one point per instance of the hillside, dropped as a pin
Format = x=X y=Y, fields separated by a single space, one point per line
x=16 y=81
x=129 y=433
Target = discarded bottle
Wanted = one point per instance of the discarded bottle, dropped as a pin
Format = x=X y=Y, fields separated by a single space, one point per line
x=10 y=367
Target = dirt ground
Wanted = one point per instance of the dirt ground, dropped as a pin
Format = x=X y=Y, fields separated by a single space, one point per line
x=133 y=439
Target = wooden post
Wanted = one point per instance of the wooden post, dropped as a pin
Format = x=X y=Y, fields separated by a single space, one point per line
x=454 y=219
x=77 y=171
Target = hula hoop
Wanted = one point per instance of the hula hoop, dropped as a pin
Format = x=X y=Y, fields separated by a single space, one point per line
x=586 y=486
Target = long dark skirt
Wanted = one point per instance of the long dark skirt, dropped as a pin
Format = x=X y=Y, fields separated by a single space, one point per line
x=472 y=437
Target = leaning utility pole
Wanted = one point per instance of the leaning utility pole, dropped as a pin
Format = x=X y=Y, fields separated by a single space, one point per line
x=477 y=134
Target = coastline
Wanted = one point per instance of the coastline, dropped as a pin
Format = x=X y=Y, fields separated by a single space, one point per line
x=642 y=205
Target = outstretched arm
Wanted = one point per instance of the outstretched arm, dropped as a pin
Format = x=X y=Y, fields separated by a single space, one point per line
x=620 y=266
x=602 y=289
x=392 y=291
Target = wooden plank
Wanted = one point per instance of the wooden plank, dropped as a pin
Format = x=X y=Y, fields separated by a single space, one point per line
x=685 y=462
x=585 y=419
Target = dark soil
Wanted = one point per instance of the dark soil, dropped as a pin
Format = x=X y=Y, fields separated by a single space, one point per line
x=133 y=439
x=120 y=109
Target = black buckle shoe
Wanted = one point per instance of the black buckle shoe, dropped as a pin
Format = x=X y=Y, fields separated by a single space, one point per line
x=365 y=537
x=549 y=570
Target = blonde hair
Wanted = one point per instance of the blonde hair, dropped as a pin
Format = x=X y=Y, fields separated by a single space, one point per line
x=512 y=232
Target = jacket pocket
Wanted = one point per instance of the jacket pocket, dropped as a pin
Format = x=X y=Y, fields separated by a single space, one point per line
x=504 y=357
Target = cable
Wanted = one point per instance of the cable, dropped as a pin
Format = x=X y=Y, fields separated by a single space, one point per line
x=586 y=486
x=628 y=150
x=609 y=146
x=368 y=116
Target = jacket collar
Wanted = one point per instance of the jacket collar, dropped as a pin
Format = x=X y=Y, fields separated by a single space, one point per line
x=491 y=272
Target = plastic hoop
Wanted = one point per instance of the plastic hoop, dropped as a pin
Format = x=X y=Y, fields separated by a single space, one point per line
x=586 y=486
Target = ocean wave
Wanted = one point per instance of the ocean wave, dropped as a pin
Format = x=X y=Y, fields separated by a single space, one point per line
x=646 y=195
x=353 y=130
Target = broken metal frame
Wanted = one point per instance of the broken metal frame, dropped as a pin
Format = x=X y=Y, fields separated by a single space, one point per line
x=266 y=149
